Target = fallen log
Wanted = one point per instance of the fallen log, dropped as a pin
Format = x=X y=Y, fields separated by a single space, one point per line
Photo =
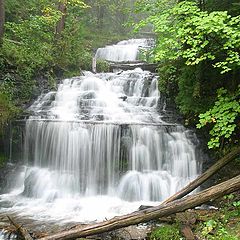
x=205 y=176
x=20 y=229
x=151 y=213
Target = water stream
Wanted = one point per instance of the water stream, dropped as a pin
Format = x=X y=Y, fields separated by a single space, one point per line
x=127 y=50
x=98 y=147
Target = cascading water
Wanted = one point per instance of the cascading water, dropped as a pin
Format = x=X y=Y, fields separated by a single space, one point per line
x=97 y=148
x=124 y=51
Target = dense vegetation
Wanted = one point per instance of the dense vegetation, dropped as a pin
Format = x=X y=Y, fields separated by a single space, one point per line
x=198 y=45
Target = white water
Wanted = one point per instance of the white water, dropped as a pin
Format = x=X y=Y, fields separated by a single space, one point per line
x=97 y=148
x=124 y=51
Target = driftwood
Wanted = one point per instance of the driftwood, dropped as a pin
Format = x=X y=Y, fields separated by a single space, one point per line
x=151 y=213
x=20 y=229
x=205 y=176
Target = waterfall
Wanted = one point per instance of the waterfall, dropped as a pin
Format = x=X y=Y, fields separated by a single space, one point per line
x=124 y=51
x=98 y=147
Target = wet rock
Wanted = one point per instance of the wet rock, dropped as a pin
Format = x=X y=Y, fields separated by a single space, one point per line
x=6 y=176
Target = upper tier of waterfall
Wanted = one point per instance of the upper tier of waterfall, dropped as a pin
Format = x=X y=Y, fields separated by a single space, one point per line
x=124 y=51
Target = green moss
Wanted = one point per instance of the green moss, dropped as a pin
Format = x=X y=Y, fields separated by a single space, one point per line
x=166 y=232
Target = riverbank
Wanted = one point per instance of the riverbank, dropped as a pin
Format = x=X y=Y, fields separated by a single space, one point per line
x=220 y=220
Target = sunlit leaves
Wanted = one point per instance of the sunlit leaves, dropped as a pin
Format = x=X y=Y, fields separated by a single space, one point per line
x=28 y=42
x=184 y=31
x=76 y=3
x=222 y=117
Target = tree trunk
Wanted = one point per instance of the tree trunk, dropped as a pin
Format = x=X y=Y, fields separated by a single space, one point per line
x=151 y=213
x=2 y=20
x=62 y=7
x=205 y=176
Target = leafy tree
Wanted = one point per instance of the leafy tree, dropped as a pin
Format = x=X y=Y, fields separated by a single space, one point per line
x=7 y=110
x=223 y=118
x=184 y=31
x=62 y=7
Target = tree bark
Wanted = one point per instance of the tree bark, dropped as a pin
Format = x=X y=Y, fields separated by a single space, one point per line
x=2 y=20
x=151 y=213
x=205 y=176
x=62 y=7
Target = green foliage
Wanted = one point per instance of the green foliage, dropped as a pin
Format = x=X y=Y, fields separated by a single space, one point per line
x=232 y=200
x=72 y=52
x=76 y=3
x=29 y=42
x=166 y=232
x=196 y=43
x=222 y=118
x=184 y=31
x=221 y=231
x=216 y=229
x=236 y=204
x=233 y=7
x=146 y=55
x=7 y=86
x=209 y=226
x=168 y=77
x=190 y=96
x=102 y=66
x=29 y=47
x=222 y=224
x=229 y=197
x=7 y=109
